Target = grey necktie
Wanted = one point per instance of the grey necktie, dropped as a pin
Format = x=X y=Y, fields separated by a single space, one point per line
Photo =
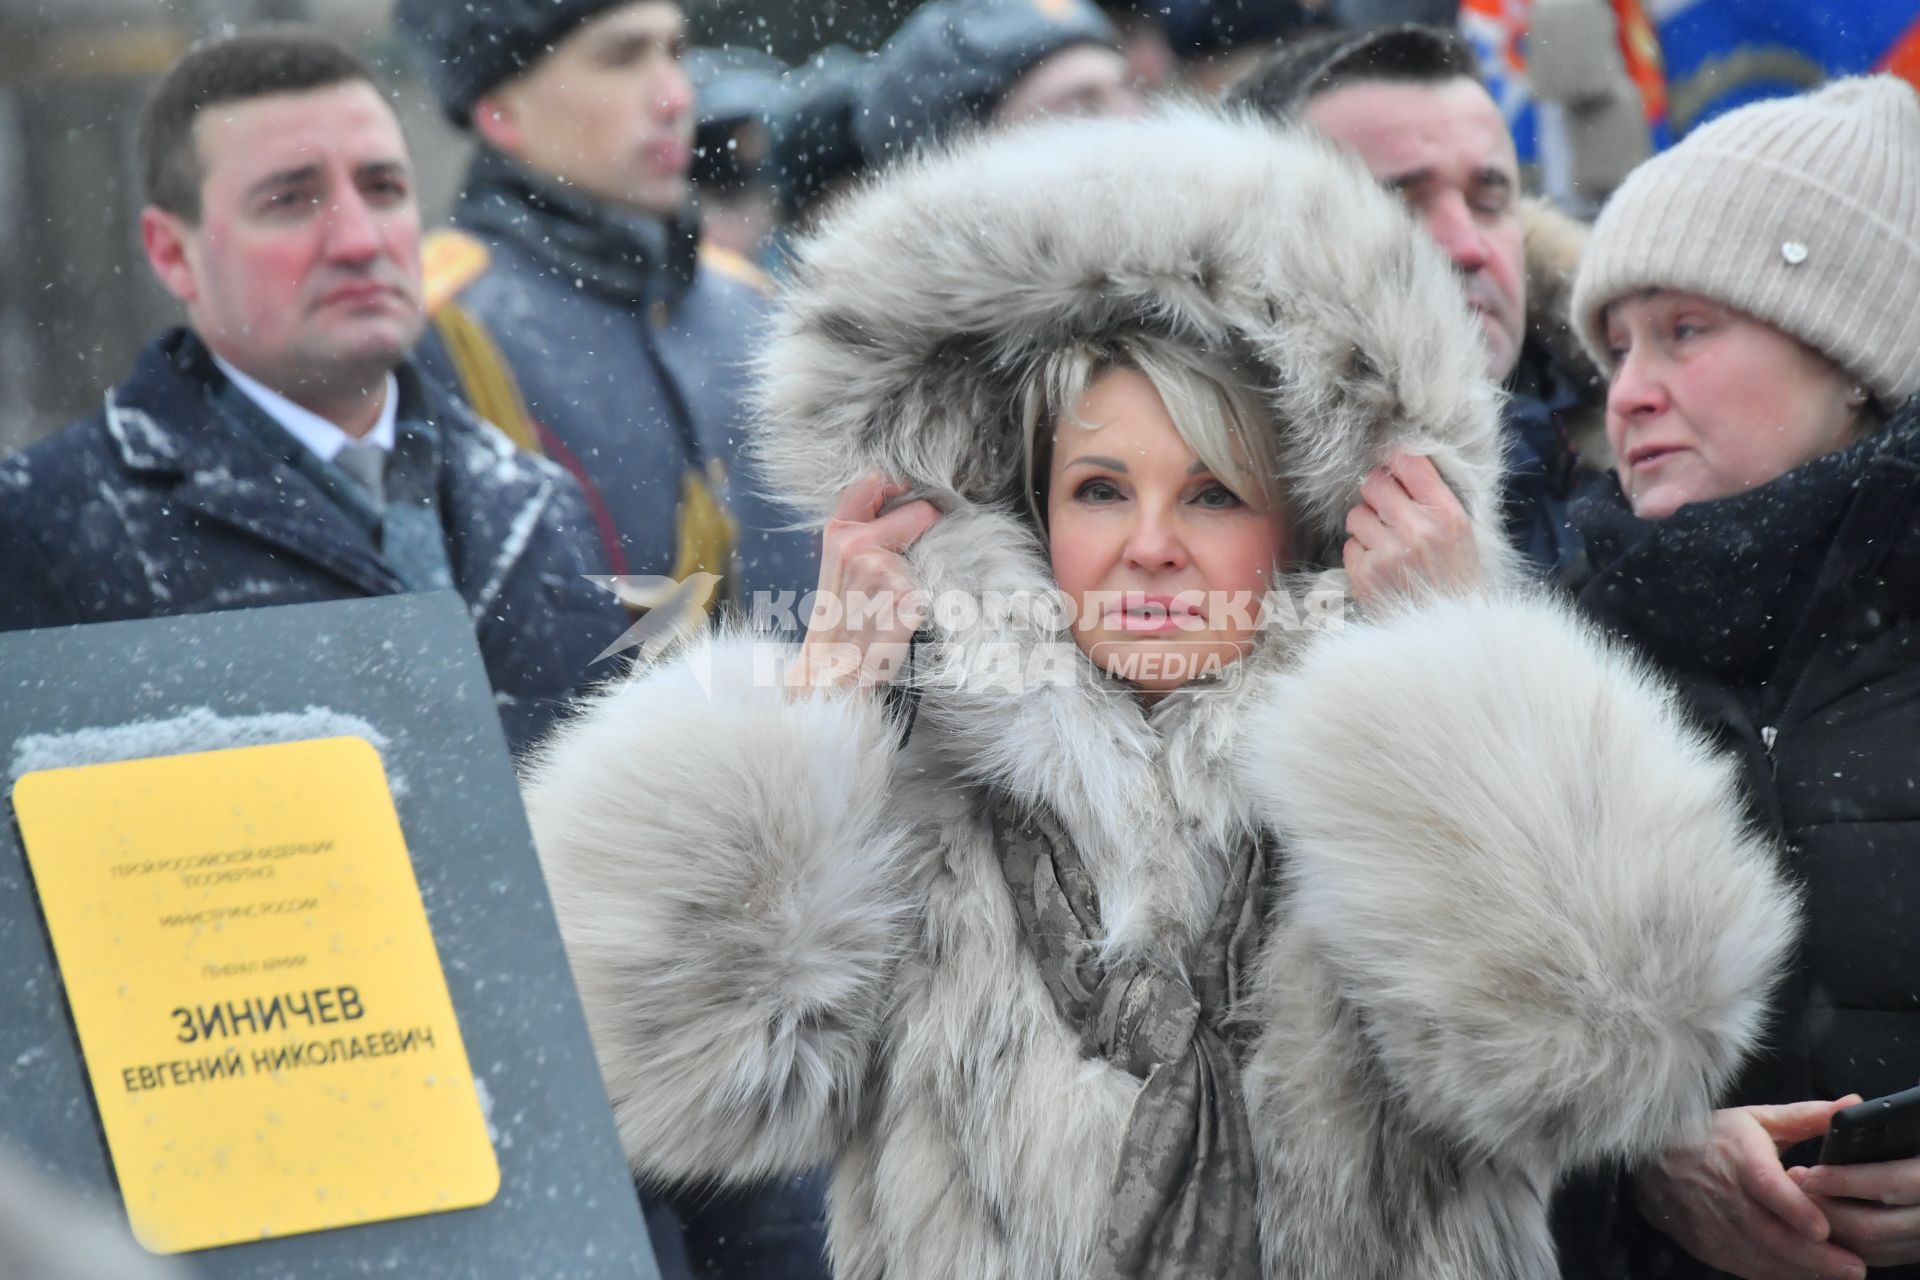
x=365 y=464
x=401 y=486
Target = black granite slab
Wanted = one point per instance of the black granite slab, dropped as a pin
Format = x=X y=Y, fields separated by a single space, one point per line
x=404 y=672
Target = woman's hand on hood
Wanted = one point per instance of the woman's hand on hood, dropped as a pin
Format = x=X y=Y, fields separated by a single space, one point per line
x=867 y=607
x=1409 y=534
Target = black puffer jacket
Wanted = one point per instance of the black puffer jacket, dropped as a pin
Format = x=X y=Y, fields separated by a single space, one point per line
x=1790 y=617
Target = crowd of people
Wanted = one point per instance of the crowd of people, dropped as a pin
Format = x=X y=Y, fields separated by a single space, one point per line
x=1249 y=699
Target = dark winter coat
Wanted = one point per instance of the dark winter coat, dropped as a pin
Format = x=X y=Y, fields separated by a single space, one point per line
x=158 y=505
x=1543 y=475
x=1790 y=617
x=630 y=356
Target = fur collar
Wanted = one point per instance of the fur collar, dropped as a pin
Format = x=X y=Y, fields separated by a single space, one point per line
x=1554 y=243
x=1008 y=702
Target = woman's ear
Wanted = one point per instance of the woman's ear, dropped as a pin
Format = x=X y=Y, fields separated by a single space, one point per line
x=1863 y=410
x=1868 y=416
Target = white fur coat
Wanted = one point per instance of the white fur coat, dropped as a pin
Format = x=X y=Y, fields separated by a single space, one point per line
x=1518 y=928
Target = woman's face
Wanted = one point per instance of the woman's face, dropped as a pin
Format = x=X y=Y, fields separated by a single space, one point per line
x=1165 y=566
x=1707 y=402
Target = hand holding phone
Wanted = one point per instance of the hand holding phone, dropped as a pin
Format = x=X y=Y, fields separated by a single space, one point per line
x=1867 y=1183
x=1875 y=1131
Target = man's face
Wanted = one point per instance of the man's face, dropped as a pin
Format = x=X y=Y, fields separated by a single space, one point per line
x=609 y=110
x=304 y=269
x=1446 y=149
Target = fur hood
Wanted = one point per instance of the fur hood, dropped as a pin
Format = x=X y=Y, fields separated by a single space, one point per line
x=916 y=314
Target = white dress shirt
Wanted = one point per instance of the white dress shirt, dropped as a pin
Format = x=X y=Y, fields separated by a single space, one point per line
x=309 y=428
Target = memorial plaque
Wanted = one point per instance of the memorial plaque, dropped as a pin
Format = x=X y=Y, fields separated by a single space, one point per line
x=286 y=983
x=257 y=993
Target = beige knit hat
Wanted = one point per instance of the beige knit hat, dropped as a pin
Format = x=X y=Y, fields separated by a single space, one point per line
x=1803 y=212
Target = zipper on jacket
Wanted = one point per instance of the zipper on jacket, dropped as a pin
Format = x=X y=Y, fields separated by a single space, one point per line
x=1770 y=734
x=1865 y=511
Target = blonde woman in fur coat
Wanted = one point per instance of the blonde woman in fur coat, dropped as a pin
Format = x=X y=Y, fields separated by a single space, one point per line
x=1328 y=962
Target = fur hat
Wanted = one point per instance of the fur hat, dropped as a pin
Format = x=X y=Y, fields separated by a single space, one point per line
x=952 y=62
x=467 y=48
x=1802 y=212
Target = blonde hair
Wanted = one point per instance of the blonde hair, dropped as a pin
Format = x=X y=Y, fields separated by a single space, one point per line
x=1214 y=403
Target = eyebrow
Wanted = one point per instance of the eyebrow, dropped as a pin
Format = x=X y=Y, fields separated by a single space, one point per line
x=281 y=177
x=1114 y=464
x=627 y=44
x=1403 y=182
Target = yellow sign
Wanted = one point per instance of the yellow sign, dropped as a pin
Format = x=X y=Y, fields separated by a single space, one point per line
x=257 y=993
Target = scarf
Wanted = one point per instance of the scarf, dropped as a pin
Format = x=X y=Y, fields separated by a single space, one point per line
x=1720 y=587
x=1185 y=1192
x=630 y=257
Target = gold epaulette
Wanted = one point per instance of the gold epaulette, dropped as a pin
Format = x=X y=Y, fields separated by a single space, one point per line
x=486 y=380
x=450 y=260
x=735 y=266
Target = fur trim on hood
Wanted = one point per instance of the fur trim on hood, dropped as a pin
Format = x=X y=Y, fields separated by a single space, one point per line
x=1554 y=241
x=917 y=313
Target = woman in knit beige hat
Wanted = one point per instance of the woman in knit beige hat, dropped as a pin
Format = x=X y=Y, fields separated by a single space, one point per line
x=1796 y=224
x=1752 y=294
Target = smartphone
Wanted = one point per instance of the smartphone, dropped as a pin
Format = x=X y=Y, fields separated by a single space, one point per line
x=1875 y=1131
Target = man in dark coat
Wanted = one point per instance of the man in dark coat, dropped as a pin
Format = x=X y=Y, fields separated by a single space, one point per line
x=280 y=449
x=1408 y=101
x=573 y=303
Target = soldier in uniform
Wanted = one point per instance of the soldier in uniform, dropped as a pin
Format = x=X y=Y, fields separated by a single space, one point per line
x=571 y=299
